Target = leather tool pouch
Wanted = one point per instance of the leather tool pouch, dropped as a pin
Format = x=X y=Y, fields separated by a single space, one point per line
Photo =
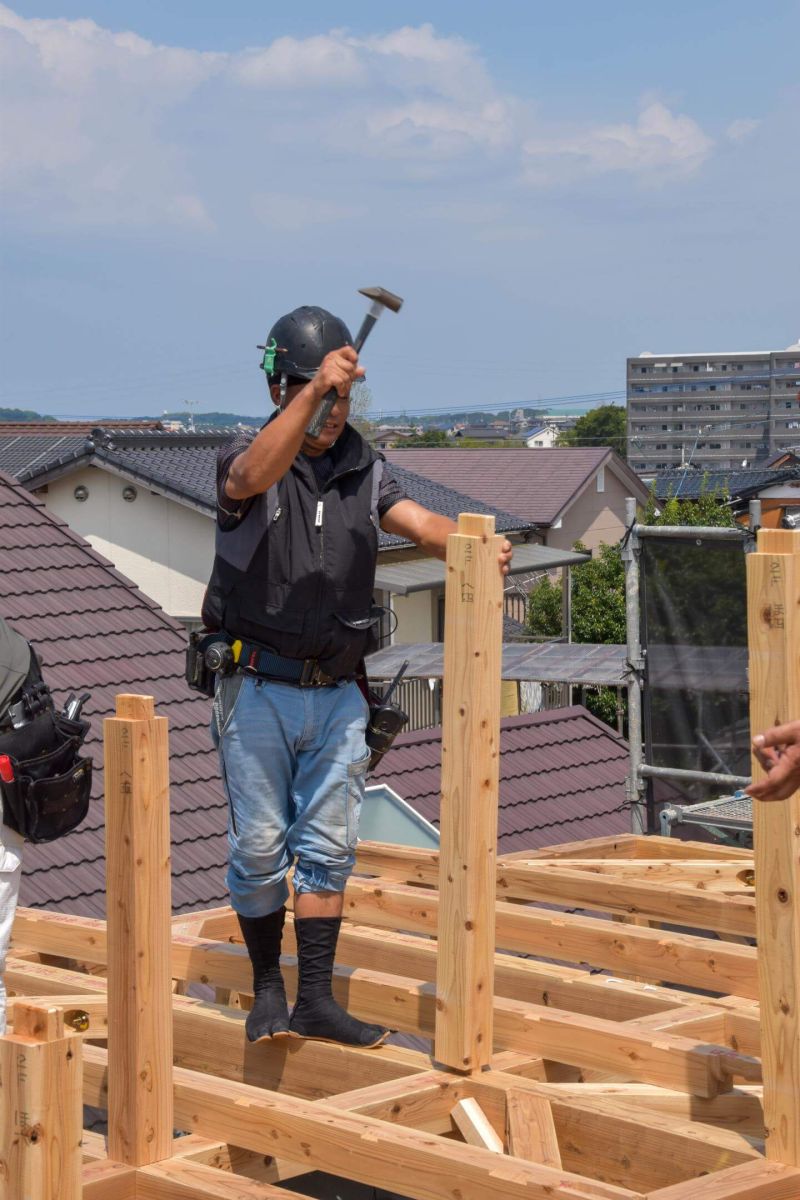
x=52 y=783
x=198 y=676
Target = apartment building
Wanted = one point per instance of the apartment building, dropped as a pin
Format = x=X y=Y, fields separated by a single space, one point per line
x=713 y=411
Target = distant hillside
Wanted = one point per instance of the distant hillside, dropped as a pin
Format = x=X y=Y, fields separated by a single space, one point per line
x=445 y=420
x=203 y=419
x=22 y=414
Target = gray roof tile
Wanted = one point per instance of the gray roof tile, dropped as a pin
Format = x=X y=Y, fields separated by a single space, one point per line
x=184 y=465
x=739 y=484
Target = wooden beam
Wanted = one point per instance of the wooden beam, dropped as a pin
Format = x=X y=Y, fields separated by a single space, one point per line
x=177 y=1179
x=41 y=1114
x=105 y=1179
x=417 y=865
x=773 y=608
x=224 y=964
x=85 y=1014
x=470 y=790
x=624 y=1143
x=751 y=1181
x=368 y=1150
x=473 y=1125
x=209 y=1038
x=703 y=874
x=651 y=953
x=739 y=1110
x=531 y=1129
x=687 y=906
x=138 y=879
x=94 y=1146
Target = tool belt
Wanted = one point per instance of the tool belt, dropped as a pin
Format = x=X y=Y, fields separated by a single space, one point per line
x=211 y=654
x=44 y=783
x=252 y=659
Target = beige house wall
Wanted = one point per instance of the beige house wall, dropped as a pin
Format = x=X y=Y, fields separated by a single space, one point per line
x=595 y=517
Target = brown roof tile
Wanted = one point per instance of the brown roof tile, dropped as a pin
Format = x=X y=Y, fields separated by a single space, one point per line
x=562 y=778
x=534 y=485
x=97 y=632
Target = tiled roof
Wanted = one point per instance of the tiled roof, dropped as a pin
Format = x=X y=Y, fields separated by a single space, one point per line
x=562 y=778
x=183 y=465
x=535 y=487
x=28 y=445
x=97 y=632
x=740 y=484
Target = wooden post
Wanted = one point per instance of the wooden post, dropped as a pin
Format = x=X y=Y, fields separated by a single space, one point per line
x=140 y=1123
x=41 y=1107
x=470 y=784
x=773 y=603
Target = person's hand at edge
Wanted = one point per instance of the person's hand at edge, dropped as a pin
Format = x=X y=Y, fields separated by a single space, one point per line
x=778 y=751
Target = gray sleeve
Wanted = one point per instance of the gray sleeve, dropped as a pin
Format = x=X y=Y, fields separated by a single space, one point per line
x=230 y=512
x=390 y=491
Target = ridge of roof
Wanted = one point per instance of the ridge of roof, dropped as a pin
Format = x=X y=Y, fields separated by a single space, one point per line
x=142 y=458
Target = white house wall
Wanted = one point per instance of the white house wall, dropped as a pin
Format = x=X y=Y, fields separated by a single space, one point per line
x=167 y=549
x=164 y=547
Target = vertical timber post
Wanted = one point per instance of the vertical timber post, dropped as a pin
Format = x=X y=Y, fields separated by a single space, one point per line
x=140 y=1121
x=634 y=785
x=773 y=606
x=470 y=785
x=41 y=1107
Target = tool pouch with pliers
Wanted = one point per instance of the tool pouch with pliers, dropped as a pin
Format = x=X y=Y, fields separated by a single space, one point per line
x=45 y=784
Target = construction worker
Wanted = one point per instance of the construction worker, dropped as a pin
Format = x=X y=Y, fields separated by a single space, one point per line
x=14 y=664
x=44 y=782
x=778 y=751
x=292 y=582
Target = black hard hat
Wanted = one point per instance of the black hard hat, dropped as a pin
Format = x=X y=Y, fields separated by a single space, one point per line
x=298 y=342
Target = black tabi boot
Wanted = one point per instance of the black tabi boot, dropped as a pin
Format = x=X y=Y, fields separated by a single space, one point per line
x=316 y=1014
x=269 y=1016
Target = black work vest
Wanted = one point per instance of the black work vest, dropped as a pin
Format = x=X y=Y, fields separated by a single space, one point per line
x=297 y=572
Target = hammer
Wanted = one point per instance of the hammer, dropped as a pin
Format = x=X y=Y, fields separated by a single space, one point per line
x=381 y=299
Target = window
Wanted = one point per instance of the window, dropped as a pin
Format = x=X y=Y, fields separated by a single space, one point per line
x=601 y=479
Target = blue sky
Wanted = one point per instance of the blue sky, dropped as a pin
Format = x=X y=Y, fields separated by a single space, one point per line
x=550 y=187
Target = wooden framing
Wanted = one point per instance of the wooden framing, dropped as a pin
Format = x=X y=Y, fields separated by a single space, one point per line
x=596 y=1086
x=773 y=582
x=470 y=786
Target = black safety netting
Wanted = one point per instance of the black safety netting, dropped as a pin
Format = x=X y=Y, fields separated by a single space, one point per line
x=694 y=633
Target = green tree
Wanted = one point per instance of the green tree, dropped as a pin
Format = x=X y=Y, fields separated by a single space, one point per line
x=598 y=587
x=604 y=426
x=431 y=437
x=712 y=507
x=22 y=414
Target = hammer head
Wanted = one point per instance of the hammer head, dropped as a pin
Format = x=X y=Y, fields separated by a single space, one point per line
x=381 y=296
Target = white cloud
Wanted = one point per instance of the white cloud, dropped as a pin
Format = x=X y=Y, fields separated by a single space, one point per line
x=660 y=142
x=110 y=128
x=741 y=128
x=317 y=63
